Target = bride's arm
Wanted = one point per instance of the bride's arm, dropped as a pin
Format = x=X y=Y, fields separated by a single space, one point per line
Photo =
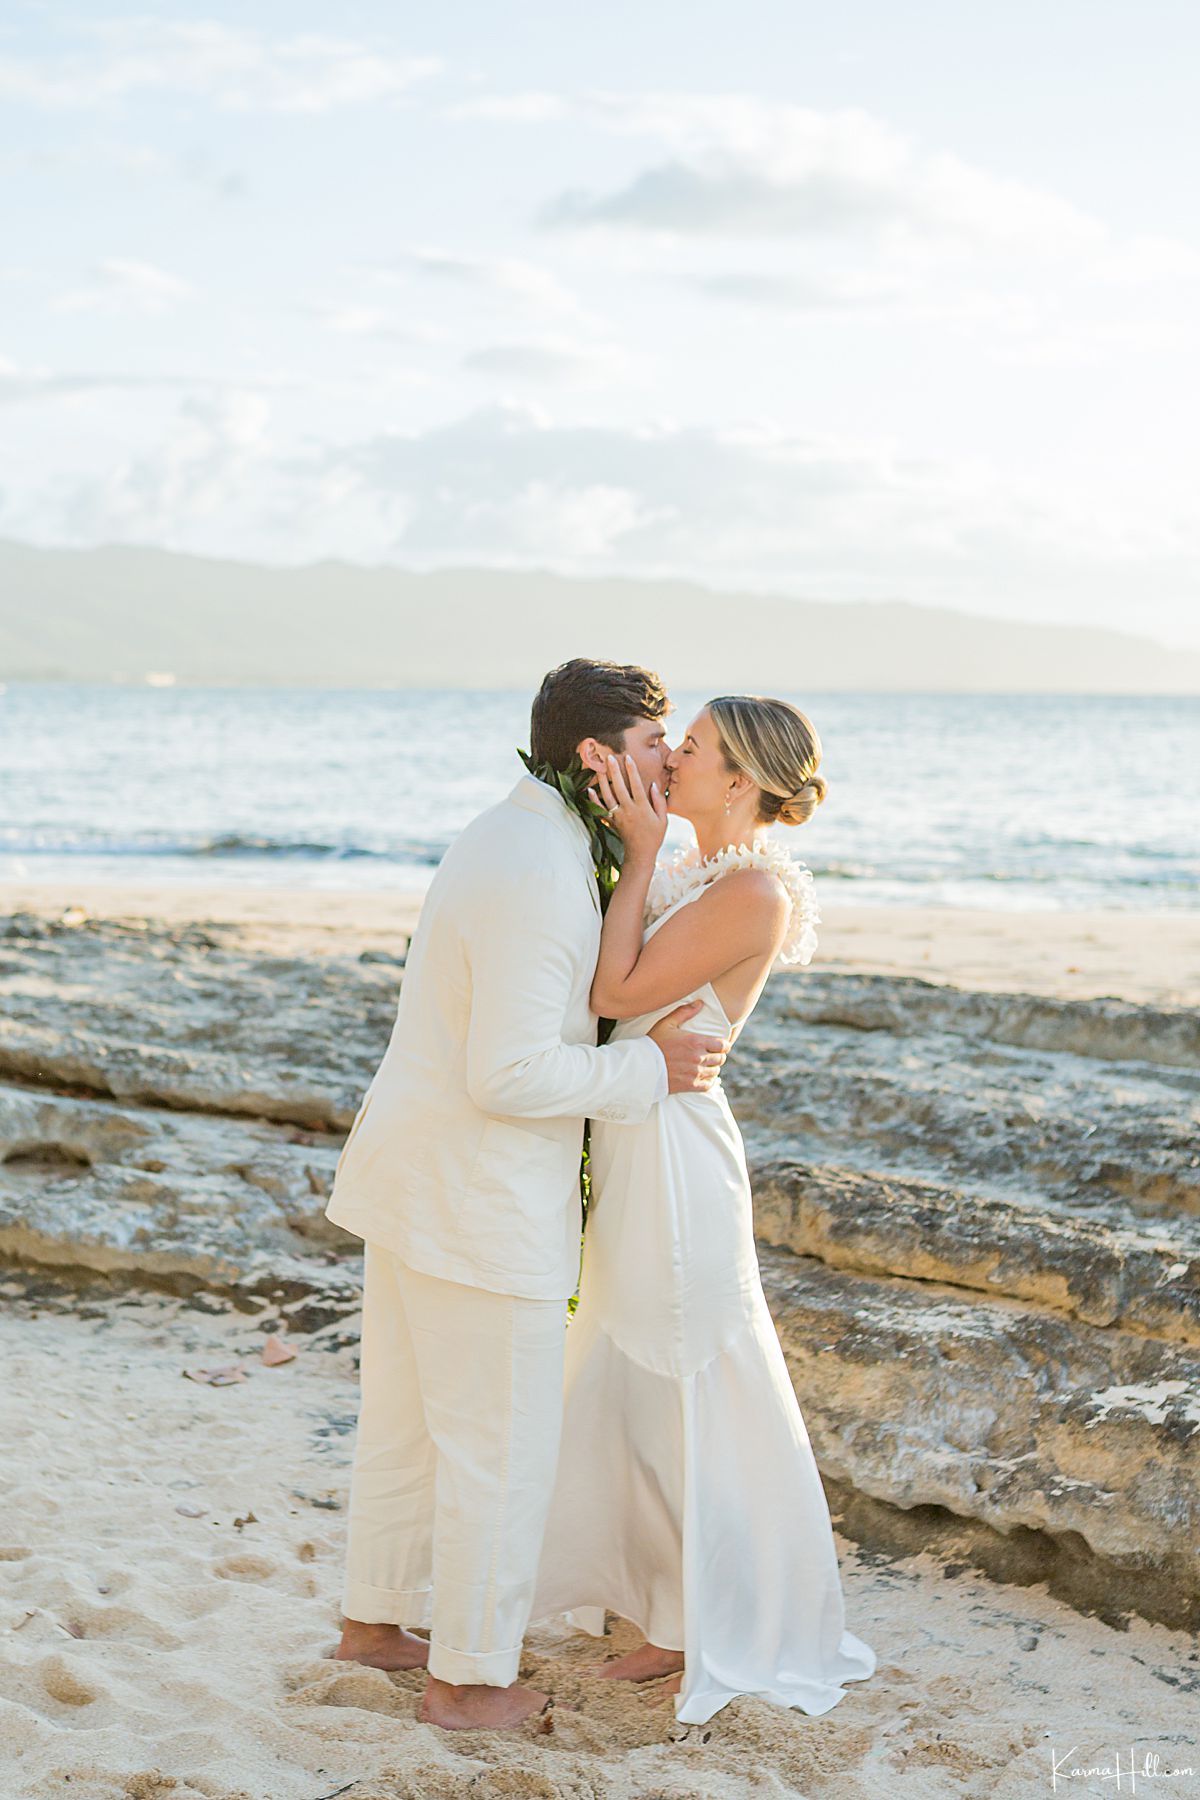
x=641 y=828
x=743 y=917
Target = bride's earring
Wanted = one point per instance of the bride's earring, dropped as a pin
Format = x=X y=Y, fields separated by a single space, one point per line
x=727 y=803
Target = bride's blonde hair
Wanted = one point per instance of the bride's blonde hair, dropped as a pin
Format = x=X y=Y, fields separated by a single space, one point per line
x=773 y=743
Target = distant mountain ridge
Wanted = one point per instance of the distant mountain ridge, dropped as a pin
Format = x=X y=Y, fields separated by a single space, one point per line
x=121 y=613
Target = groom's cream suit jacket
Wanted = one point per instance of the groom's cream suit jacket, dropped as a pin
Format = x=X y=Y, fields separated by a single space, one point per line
x=464 y=1156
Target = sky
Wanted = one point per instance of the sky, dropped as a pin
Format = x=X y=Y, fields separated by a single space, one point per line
x=853 y=301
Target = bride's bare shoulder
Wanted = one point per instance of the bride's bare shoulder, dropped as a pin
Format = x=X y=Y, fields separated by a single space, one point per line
x=755 y=889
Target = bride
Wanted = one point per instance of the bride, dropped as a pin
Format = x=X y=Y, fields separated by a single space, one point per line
x=687 y=1498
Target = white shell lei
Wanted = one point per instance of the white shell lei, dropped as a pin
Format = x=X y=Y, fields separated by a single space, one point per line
x=685 y=873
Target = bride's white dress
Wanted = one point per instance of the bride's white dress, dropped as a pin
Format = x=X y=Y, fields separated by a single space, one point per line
x=687 y=1498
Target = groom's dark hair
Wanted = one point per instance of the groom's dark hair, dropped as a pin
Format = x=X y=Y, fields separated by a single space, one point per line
x=582 y=699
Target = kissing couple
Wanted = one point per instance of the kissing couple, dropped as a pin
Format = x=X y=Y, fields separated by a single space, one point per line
x=650 y=1457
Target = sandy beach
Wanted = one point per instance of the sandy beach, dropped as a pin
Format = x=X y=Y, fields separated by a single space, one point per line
x=1070 y=954
x=172 y=1563
x=172 y=1550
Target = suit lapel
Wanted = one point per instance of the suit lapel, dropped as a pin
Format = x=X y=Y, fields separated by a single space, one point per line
x=538 y=796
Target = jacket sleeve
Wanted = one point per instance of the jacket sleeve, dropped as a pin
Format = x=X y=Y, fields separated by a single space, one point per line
x=524 y=955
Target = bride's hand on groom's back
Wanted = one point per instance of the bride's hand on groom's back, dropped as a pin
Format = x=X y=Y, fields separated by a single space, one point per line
x=693 y=1062
x=640 y=817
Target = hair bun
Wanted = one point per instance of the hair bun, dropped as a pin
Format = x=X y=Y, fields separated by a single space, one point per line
x=801 y=805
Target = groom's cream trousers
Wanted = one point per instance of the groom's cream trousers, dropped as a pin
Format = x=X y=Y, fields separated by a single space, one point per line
x=458 y=1434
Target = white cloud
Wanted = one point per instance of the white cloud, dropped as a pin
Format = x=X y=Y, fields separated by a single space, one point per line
x=356 y=319
x=217 y=451
x=125 y=286
x=19 y=384
x=570 y=525
x=526 y=109
x=759 y=506
x=1143 y=260
x=1010 y=319
x=91 y=153
x=536 y=287
x=37 y=383
x=230 y=66
x=556 y=363
x=742 y=166
x=794 y=293
x=853 y=219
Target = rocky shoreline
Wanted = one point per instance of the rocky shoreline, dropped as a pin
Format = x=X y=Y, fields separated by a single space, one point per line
x=979 y=1213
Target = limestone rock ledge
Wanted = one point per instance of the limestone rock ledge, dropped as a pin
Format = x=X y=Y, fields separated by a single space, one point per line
x=1015 y=1417
x=1118 y=1268
x=177 y=1201
x=183 y=1016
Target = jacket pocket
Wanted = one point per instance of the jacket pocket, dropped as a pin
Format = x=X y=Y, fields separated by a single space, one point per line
x=512 y=1211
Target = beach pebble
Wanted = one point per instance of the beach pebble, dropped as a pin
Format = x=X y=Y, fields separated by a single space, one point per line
x=222 y=1377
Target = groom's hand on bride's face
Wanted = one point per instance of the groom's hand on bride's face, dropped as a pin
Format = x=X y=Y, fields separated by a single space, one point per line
x=693 y=1062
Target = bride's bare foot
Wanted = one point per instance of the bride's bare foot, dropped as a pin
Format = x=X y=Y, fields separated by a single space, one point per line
x=646 y=1663
x=381 y=1646
x=477 y=1708
x=661 y=1693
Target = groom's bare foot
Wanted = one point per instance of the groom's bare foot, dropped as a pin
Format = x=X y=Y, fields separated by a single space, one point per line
x=478 y=1708
x=381 y=1646
x=646 y=1663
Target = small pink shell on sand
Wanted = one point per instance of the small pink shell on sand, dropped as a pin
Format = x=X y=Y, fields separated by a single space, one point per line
x=275 y=1351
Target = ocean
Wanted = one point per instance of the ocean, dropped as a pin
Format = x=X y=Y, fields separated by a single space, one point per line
x=1025 y=801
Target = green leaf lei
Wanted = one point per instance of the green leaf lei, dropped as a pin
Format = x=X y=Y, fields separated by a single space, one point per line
x=574 y=783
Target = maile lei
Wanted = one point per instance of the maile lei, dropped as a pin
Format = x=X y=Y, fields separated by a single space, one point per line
x=574 y=783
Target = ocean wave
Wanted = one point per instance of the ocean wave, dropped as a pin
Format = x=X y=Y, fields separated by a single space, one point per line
x=235 y=843
x=931 y=874
x=835 y=870
x=229 y=844
x=907 y=881
x=1118 y=878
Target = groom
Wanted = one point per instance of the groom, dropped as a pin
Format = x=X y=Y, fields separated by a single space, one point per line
x=461 y=1173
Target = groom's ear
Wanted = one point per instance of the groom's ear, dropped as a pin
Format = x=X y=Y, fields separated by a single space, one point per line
x=593 y=754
